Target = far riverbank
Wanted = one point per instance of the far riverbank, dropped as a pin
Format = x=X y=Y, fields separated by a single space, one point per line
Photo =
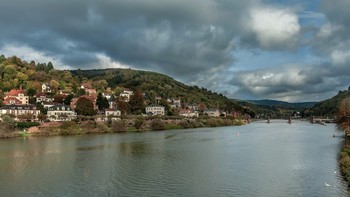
x=119 y=125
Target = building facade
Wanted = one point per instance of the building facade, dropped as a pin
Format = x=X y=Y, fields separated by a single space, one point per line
x=17 y=110
x=155 y=110
x=61 y=113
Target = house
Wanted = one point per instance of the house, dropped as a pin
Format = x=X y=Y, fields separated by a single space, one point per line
x=155 y=110
x=61 y=113
x=125 y=95
x=41 y=97
x=90 y=91
x=212 y=112
x=158 y=98
x=46 y=88
x=193 y=106
x=174 y=103
x=12 y=101
x=16 y=97
x=112 y=112
x=17 y=110
x=188 y=113
x=47 y=104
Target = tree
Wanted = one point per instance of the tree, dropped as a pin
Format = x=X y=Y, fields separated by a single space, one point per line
x=68 y=99
x=101 y=102
x=42 y=117
x=54 y=84
x=81 y=92
x=49 y=67
x=25 y=117
x=85 y=107
x=59 y=98
x=344 y=114
x=31 y=92
x=8 y=123
x=136 y=103
x=122 y=106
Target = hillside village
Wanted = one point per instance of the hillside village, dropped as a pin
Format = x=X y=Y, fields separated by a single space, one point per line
x=38 y=93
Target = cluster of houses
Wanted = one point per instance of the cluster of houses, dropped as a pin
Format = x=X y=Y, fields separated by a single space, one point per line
x=17 y=104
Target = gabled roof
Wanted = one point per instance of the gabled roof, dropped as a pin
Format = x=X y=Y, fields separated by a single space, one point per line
x=15 y=92
x=8 y=100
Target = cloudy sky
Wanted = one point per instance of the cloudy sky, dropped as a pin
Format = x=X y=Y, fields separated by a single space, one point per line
x=246 y=49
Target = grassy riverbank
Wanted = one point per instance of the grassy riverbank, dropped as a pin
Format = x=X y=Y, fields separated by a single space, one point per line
x=344 y=162
x=134 y=124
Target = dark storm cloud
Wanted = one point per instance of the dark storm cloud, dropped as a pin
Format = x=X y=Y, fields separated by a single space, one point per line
x=194 y=41
x=178 y=37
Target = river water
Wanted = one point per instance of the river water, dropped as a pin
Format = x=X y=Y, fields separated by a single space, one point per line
x=259 y=159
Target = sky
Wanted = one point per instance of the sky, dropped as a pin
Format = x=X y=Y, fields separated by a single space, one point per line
x=245 y=49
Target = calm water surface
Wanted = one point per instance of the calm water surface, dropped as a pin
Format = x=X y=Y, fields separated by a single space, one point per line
x=259 y=159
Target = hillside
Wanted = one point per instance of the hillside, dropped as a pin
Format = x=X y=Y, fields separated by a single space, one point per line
x=330 y=106
x=283 y=104
x=155 y=84
x=16 y=73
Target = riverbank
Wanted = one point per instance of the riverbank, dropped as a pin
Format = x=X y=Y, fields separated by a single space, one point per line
x=344 y=163
x=130 y=124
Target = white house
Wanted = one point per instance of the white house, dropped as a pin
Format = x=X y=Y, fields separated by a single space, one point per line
x=41 y=98
x=212 y=112
x=155 y=110
x=61 y=113
x=46 y=88
x=20 y=110
x=112 y=112
x=125 y=95
x=188 y=113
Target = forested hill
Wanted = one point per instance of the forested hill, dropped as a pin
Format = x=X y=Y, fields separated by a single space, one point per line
x=330 y=106
x=16 y=73
x=155 y=84
x=287 y=105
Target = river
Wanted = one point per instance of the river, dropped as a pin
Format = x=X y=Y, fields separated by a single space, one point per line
x=259 y=159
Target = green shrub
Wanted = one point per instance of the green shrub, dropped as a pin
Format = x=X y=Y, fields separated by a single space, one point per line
x=24 y=125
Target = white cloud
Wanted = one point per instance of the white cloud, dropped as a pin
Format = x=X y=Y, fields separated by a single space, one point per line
x=327 y=30
x=28 y=54
x=340 y=57
x=106 y=62
x=274 y=27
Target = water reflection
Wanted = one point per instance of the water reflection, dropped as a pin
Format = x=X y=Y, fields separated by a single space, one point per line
x=293 y=161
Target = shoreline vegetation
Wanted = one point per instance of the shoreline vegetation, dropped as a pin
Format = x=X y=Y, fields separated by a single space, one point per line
x=126 y=124
x=344 y=125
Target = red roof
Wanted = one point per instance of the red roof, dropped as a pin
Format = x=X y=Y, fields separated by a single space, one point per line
x=15 y=92
x=12 y=100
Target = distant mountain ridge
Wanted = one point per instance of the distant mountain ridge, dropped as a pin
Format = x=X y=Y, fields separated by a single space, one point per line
x=283 y=104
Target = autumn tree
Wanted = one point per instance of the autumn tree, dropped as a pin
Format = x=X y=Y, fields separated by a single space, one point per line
x=136 y=103
x=54 y=84
x=344 y=114
x=59 y=98
x=25 y=117
x=122 y=106
x=85 y=107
